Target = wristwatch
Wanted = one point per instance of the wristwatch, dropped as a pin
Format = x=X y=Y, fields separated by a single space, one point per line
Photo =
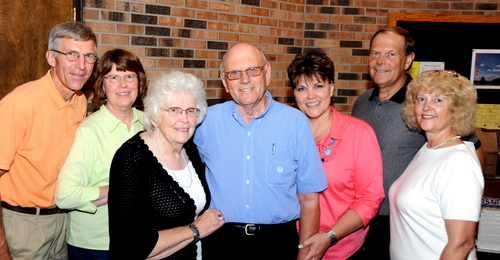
x=333 y=236
x=196 y=233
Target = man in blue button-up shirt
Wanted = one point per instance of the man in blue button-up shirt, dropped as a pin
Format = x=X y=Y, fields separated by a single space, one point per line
x=263 y=169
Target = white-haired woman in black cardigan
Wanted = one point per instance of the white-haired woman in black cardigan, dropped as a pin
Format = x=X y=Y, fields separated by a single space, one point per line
x=158 y=193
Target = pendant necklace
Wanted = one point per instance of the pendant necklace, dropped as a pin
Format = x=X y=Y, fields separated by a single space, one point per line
x=327 y=150
x=172 y=170
x=441 y=144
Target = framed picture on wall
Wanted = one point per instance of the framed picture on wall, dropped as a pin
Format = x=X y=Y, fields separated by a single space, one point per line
x=485 y=69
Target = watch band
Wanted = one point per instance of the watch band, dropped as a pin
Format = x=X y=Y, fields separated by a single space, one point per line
x=333 y=236
x=196 y=232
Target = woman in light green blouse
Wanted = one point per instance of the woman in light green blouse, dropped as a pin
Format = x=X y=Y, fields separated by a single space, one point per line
x=82 y=187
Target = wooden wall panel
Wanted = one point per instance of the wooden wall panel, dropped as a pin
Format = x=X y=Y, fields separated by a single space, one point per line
x=24 y=30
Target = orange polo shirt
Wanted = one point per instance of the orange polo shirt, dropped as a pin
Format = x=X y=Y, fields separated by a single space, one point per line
x=36 y=132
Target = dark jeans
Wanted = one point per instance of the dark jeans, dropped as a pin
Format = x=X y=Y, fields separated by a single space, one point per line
x=78 y=253
x=376 y=245
x=226 y=244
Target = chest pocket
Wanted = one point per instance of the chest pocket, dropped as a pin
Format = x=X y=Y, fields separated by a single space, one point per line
x=280 y=169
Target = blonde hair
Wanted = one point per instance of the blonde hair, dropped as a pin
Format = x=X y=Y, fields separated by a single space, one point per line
x=450 y=83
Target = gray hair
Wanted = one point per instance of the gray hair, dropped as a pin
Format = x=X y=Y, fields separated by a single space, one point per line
x=71 y=30
x=164 y=86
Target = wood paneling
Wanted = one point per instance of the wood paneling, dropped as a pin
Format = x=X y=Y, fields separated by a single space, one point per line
x=24 y=31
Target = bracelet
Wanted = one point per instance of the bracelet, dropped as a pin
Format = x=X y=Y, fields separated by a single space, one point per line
x=196 y=232
x=333 y=236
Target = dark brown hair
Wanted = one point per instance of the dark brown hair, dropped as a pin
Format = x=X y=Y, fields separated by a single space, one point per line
x=409 y=46
x=124 y=61
x=311 y=64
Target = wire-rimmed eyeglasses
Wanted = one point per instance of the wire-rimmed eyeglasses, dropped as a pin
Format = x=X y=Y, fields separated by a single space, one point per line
x=177 y=111
x=251 y=72
x=116 y=78
x=74 y=56
x=450 y=73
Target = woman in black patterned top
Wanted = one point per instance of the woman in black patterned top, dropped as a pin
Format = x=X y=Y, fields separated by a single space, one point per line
x=158 y=193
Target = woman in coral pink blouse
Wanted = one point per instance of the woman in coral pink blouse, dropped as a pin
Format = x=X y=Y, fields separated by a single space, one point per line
x=351 y=158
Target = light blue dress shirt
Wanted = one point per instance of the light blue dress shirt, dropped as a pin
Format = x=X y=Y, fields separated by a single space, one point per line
x=255 y=171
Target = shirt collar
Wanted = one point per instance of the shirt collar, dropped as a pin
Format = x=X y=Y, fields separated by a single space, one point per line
x=54 y=94
x=399 y=97
x=335 y=132
x=270 y=104
x=325 y=145
x=112 y=122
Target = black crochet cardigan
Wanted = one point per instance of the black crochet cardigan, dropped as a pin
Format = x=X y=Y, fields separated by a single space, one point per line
x=143 y=199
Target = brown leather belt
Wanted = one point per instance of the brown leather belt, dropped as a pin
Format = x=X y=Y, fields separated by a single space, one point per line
x=33 y=211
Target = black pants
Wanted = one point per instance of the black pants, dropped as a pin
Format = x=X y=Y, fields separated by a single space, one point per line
x=229 y=244
x=376 y=245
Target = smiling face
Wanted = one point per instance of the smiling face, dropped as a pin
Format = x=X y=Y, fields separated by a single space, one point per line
x=388 y=62
x=313 y=96
x=246 y=91
x=70 y=76
x=433 y=113
x=121 y=95
x=176 y=130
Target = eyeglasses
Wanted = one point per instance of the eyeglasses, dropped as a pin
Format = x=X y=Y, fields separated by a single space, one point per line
x=450 y=73
x=74 y=56
x=251 y=72
x=116 y=78
x=177 y=111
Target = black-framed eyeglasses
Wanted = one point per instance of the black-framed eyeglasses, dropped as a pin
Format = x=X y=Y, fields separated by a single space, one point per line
x=116 y=78
x=74 y=56
x=251 y=72
x=177 y=111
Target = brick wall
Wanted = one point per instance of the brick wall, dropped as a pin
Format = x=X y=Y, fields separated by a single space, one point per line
x=192 y=35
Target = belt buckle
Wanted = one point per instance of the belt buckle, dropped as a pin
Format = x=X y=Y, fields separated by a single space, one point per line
x=246 y=229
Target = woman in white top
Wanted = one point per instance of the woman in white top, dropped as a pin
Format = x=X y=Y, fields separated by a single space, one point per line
x=435 y=204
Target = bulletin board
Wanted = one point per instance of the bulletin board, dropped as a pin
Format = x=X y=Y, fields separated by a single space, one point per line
x=452 y=38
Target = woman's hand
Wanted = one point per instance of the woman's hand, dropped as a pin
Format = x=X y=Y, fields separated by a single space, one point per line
x=174 y=239
x=317 y=245
x=209 y=221
x=103 y=196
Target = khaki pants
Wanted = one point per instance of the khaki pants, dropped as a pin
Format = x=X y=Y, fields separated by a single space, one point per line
x=35 y=237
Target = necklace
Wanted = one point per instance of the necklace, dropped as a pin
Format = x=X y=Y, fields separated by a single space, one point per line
x=326 y=150
x=172 y=170
x=441 y=144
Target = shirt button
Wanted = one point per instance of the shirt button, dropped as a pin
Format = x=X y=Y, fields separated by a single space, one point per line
x=247 y=182
x=248 y=157
x=247 y=206
x=249 y=133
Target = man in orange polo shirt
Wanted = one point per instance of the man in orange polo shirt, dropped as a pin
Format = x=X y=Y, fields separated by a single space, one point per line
x=39 y=121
